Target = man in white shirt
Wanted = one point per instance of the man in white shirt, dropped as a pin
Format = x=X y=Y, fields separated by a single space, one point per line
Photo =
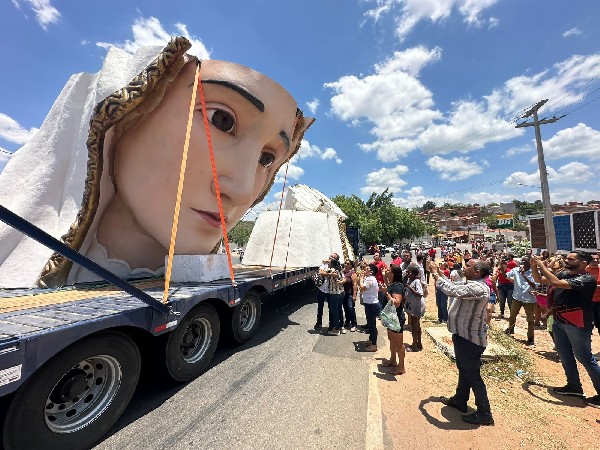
x=467 y=323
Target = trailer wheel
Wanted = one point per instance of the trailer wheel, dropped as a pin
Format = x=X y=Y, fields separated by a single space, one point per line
x=245 y=318
x=76 y=397
x=190 y=347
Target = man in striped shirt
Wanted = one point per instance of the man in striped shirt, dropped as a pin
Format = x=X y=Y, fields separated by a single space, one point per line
x=467 y=323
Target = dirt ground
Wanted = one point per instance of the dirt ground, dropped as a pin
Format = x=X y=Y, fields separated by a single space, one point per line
x=526 y=412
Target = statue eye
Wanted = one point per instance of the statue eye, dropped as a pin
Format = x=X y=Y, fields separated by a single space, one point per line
x=266 y=159
x=222 y=120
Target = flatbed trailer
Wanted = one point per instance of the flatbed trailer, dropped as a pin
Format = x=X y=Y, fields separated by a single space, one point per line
x=70 y=358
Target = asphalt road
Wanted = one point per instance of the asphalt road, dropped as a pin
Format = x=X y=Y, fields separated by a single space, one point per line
x=290 y=387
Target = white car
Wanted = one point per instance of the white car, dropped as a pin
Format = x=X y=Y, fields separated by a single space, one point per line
x=414 y=246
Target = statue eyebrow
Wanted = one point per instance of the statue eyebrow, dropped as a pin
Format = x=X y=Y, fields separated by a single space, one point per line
x=240 y=90
x=286 y=140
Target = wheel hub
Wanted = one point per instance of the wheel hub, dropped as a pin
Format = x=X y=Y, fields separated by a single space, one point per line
x=82 y=394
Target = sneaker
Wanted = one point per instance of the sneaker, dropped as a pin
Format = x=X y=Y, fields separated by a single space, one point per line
x=343 y=330
x=568 y=390
x=479 y=418
x=371 y=348
x=365 y=327
x=318 y=326
x=530 y=343
x=353 y=329
x=333 y=332
x=594 y=401
x=509 y=331
x=449 y=401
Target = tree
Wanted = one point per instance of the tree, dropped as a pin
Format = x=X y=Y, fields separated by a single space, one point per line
x=379 y=219
x=491 y=221
x=353 y=207
x=428 y=205
x=240 y=234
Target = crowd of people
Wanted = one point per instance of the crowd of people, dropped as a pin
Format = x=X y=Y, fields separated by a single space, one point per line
x=559 y=293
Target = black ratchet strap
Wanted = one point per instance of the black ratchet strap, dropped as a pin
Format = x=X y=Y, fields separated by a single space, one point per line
x=25 y=227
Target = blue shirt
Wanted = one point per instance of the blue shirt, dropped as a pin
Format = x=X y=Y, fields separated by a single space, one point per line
x=522 y=289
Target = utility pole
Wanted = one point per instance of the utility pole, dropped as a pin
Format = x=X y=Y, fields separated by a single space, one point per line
x=548 y=220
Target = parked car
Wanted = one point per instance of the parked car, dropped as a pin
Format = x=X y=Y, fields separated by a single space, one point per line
x=390 y=250
x=425 y=245
x=414 y=246
x=448 y=243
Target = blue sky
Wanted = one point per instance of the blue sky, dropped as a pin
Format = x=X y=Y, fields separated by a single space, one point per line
x=416 y=96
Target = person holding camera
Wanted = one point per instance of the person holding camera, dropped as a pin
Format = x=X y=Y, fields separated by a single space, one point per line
x=323 y=289
x=522 y=298
x=467 y=323
x=573 y=321
x=505 y=285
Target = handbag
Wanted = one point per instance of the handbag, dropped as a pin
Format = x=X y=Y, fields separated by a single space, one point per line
x=389 y=317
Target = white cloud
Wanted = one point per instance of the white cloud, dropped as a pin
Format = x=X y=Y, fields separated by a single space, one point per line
x=294 y=172
x=12 y=131
x=392 y=100
x=307 y=150
x=313 y=106
x=151 y=32
x=84 y=42
x=402 y=116
x=518 y=150
x=493 y=22
x=455 y=169
x=45 y=13
x=571 y=173
x=411 y=12
x=576 y=142
x=572 y=32
x=385 y=178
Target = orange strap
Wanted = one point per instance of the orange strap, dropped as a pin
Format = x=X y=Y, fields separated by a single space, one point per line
x=215 y=178
x=186 y=146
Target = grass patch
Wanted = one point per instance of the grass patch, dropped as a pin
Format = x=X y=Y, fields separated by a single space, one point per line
x=516 y=365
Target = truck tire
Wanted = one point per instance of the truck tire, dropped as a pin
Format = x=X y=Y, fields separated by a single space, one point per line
x=190 y=347
x=75 y=398
x=245 y=318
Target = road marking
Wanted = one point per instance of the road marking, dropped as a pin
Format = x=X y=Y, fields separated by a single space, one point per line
x=374 y=437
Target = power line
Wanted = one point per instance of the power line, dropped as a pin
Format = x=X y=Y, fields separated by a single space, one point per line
x=549 y=107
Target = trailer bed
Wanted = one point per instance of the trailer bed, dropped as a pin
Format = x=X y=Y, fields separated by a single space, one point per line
x=35 y=324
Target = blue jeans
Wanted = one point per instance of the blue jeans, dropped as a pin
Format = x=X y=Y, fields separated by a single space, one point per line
x=505 y=294
x=574 y=342
x=441 y=301
x=371 y=311
x=334 y=305
x=468 y=362
x=321 y=299
x=349 y=312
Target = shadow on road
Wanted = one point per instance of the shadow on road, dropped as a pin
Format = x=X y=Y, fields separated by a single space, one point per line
x=556 y=399
x=152 y=391
x=453 y=417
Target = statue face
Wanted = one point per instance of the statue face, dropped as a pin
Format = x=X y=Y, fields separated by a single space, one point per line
x=251 y=120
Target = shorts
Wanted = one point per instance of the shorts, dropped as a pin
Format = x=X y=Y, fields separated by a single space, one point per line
x=492 y=300
x=541 y=300
x=401 y=328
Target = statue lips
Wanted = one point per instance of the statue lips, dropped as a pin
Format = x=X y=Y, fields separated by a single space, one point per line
x=211 y=218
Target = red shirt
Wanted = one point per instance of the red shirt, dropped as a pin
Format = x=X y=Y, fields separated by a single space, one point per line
x=593 y=271
x=397 y=261
x=446 y=273
x=501 y=276
x=380 y=266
